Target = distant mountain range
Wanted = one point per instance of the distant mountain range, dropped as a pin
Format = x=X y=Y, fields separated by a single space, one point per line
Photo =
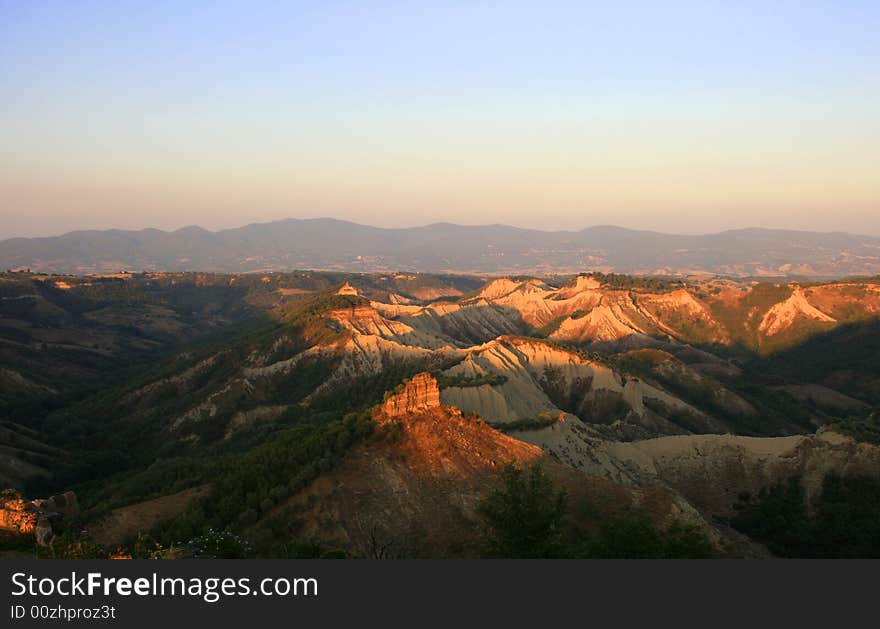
x=329 y=244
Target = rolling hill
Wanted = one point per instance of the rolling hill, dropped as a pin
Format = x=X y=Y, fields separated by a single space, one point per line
x=327 y=244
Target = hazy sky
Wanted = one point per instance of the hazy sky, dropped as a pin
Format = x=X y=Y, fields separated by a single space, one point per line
x=677 y=116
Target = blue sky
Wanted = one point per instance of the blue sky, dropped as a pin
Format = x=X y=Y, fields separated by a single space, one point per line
x=679 y=116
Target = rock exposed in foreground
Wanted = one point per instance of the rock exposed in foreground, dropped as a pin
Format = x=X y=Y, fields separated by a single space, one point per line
x=35 y=517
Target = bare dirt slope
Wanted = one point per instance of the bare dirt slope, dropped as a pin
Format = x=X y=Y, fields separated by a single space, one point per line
x=125 y=523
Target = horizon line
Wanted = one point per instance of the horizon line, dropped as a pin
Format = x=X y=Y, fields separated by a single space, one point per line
x=289 y=219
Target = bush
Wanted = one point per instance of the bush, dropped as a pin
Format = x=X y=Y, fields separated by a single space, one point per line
x=529 y=423
x=632 y=535
x=524 y=517
x=73 y=546
x=777 y=518
x=219 y=545
x=865 y=429
x=491 y=379
x=845 y=521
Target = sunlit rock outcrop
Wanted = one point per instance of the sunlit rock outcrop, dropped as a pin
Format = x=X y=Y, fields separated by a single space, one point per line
x=419 y=394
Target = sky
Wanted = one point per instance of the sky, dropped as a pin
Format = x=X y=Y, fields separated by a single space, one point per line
x=686 y=117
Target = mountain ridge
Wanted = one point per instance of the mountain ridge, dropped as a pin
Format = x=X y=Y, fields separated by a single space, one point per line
x=338 y=245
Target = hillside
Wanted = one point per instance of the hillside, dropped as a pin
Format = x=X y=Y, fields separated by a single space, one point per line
x=623 y=358
x=415 y=492
x=334 y=245
x=261 y=390
x=412 y=485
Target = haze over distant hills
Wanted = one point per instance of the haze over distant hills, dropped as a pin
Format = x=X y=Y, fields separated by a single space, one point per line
x=329 y=244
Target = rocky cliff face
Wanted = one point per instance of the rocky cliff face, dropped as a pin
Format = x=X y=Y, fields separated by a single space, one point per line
x=419 y=394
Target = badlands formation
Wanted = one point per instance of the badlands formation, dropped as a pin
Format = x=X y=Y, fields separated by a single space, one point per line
x=679 y=394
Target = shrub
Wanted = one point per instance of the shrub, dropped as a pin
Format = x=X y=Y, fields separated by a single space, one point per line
x=524 y=517
x=845 y=521
x=217 y=544
x=491 y=379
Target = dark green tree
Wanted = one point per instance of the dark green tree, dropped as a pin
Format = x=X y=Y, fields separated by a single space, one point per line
x=778 y=518
x=524 y=518
x=631 y=535
x=847 y=519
